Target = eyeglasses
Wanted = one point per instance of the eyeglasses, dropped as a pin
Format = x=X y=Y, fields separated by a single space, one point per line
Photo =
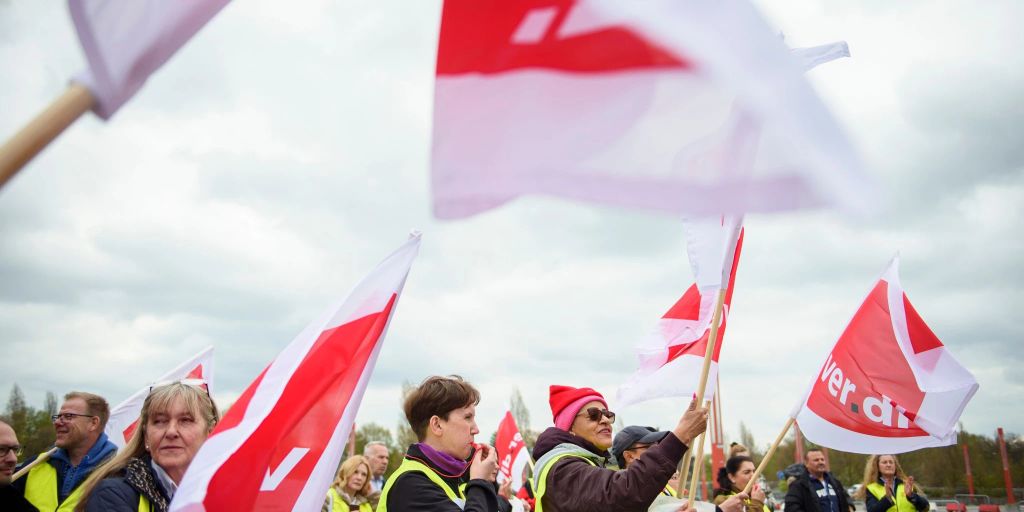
x=594 y=414
x=4 y=450
x=68 y=417
x=196 y=383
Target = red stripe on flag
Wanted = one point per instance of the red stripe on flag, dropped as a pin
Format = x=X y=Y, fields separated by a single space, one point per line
x=305 y=416
x=480 y=36
x=921 y=336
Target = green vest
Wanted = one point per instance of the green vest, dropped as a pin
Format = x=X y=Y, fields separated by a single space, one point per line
x=41 y=490
x=541 y=482
x=143 y=504
x=409 y=465
x=748 y=501
x=338 y=504
x=669 y=491
x=902 y=503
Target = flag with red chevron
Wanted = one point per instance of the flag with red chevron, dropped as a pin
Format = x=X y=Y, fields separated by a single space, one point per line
x=670 y=359
x=124 y=418
x=278 y=446
x=889 y=385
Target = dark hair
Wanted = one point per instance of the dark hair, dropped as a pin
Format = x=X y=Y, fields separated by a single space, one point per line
x=732 y=466
x=95 y=405
x=437 y=396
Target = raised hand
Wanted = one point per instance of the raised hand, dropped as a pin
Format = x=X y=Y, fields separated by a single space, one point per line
x=692 y=424
x=908 y=486
x=485 y=463
x=734 y=503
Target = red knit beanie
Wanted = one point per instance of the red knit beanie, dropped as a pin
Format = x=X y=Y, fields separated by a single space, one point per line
x=566 y=402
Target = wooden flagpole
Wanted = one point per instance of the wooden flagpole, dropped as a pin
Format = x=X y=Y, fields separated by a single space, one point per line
x=39 y=132
x=40 y=459
x=768 y=456
x=703 y=383
x=698 y=467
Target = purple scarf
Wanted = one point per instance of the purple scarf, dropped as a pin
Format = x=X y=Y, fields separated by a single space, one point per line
x=443 y=461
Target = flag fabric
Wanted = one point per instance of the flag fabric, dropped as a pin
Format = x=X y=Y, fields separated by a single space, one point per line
x=633 y=104
x=888 y=385
x=278 y=446
x=124 y=418
x=125 y=41
x=710 y=245
x=670 y=360
x=512 y=453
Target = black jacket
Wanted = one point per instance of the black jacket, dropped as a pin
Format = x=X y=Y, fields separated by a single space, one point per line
x=13 y=500
x=874 y=504
x=414 y=492
x=121 y=493
x=802 y=497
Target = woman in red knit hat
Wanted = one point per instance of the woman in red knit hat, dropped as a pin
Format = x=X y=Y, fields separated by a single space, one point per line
x=571 y=457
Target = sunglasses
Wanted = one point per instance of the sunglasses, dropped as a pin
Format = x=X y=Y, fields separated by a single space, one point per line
x=594 y=414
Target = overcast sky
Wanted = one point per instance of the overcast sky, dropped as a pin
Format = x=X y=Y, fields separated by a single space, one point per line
x=283 y=153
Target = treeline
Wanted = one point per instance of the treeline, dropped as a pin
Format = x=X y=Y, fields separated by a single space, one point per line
x=939 y=470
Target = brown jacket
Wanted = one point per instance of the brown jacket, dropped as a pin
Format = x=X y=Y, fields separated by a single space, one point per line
x=574 y=485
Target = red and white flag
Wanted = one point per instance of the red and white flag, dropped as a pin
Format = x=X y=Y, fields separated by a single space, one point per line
x=512 y=453
x=889 y=385
x=278 y=446
x=125 y=41
x=670 y=360
x=124 y=418
x=693 y=107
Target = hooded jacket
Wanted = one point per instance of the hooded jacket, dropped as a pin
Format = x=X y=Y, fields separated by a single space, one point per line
x=575 y=485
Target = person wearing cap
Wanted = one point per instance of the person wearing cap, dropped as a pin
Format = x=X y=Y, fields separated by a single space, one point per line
x=632 y=442
x=571 y=456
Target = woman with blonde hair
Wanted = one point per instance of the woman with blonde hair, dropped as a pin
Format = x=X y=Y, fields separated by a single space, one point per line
x=175 y=421
x=886 y=488
x=351 y=488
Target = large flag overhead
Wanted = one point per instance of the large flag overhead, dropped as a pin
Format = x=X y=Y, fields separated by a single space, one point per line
x=125 y=41
x=512 y=453
x=278 y=446
x=889 y=385
x=672 y=106
x=670 y=360
x=124 y=418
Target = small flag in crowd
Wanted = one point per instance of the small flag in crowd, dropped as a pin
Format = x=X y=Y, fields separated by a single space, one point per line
x=513 y=456
x=693 y=107
x=126 y=41
x=124 y=418
x=278 y=446
x=671 y=359
x=888 y=385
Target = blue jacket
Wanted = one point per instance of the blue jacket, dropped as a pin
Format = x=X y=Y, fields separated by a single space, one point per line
x=69 y=477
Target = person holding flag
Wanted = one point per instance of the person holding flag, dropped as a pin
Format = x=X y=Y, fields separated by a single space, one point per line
x=886 y=488
x=174 y=423
x=733 y=478
x=570 y=471
x=445 y=470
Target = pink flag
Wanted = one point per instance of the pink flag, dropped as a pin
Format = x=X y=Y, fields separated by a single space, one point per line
x=125 y=41
x=670 y=360
x=889 y=385
x=124 y=417
x=512 y=453
x=278 y=446
x=692 y=107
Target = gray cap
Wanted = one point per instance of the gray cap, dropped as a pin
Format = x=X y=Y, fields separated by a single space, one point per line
x=631 y=435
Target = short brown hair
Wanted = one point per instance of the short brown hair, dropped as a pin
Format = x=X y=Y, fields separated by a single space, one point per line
x=437 y=396
x=95 y=405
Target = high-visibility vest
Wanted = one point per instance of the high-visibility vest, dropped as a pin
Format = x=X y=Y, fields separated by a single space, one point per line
x=541 y=483
x=143 y=504
x=669 y=491
x=409 y=465
x=748 y=501
x=41 y=490
x=338 y=503
x=902 y=503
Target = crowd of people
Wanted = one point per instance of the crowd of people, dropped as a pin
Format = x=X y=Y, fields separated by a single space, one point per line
x=580 y=466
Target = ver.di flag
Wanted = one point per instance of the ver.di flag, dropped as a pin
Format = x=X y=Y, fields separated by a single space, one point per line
x=633 y=104
x=513 y=456
x=279 y=445
x=888 y=385
x=124 y=418
x=670 y=360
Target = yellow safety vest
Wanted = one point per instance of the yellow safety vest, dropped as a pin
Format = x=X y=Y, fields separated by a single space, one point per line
x=902 y=503
x=748 y=501
x=41 y=490
x=338 y=504
x=669 y=491
x=409 y=465
x=541 y=483
x=143 y=504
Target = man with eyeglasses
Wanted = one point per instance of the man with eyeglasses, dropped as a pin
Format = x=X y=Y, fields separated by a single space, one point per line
x=10 y=497
x=81 y=447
